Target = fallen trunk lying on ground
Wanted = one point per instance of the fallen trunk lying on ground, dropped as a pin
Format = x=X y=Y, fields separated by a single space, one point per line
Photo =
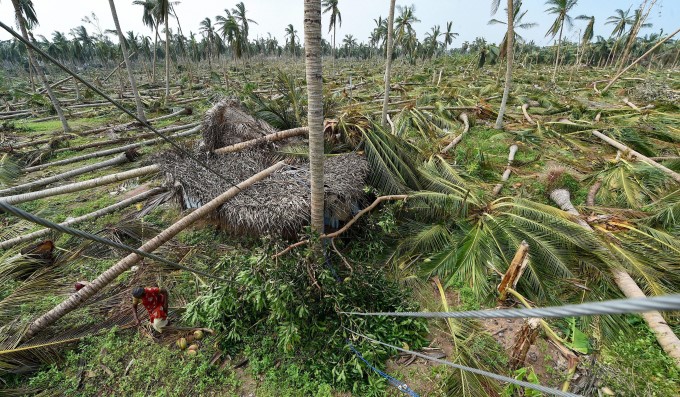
x=92 y=215
x=126 y=263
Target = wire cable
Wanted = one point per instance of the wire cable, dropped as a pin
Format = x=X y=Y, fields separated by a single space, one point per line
x=616 y=306
x=401 y=386
x=492 y=375
x=75 y=232
x=116 y=104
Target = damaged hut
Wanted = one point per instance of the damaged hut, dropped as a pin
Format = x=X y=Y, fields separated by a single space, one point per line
x=278 y=205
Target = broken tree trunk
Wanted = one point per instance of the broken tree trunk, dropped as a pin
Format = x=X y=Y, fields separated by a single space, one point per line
x=120 y=159
x=78 y=186
x=515 y=270
x=508 y=170
x=466 y=122
x=277 y=136
x=126 y=263
x=664 y=334
x=92 y=215
x=524 y=339
x=640 y=156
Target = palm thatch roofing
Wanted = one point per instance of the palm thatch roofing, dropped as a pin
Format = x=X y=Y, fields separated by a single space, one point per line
x=278 y=205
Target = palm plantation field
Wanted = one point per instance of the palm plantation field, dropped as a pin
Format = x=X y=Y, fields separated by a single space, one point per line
x=454 y=179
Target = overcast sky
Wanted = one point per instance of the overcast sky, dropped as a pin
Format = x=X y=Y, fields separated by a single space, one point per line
x=469 y=17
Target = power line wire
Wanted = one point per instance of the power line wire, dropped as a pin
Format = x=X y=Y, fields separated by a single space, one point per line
x=79 y=233
x=492 y=375
x=616 y=306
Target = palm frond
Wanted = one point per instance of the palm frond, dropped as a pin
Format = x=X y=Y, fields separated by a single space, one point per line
x=393 y=162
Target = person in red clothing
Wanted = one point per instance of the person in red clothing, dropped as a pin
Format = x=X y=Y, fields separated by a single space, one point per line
x=155 y=301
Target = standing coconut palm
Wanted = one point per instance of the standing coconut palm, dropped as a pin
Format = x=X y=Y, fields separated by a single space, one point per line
x=239 y=14
x=621 y=19
x=291 y=34
x=388 y=62
x=128 y=64
x=449 y=35
x=313 y=70
x=206 y=28
x=25 y=8
x=509 y=50
x=561 y=8
x=150 y=19
x=164 y=16
x=336 y=17
x=588 y=33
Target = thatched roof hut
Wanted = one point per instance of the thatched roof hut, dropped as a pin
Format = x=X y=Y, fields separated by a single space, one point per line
x=278 y=205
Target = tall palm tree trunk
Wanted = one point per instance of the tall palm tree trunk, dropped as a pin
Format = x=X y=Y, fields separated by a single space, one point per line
x=388 y=63
x=664 y=334
x=36 y=66
x=314 y=70
x=508 y=74
x=167 y=54
x=333 y=47
x=155 y=50
x=559 y=47
x=116 y=270
x=128 y=63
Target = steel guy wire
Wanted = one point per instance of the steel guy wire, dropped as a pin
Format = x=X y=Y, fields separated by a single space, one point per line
x=118 y=105
x=616 y=306
x=401 y=386
x=492 y=375
x=79 y=233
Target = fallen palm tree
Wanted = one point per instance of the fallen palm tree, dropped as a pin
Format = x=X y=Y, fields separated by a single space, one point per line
x=92 y=215
x=464 y=118
x=107 y=152
x=78 y=186
x=126 y=263
x=664 y=334
x=626 y=149
x=128 y=156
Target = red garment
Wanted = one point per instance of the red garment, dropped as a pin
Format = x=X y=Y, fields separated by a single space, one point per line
x=154 y=303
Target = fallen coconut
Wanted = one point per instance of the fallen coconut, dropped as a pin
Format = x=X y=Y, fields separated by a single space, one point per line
x=198 y=334
x=182 y=343
x=193 y=347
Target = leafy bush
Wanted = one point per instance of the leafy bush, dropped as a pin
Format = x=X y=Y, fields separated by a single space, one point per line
x=273 y=309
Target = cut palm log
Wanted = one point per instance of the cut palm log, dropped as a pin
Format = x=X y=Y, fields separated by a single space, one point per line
x=129 y=155
x=92 y=215
x=637 y=155
x=107 y=152
x=508 y=170
x=126 y=263
x=664 y=334
x=277 y=136
x=466 y=122
x=78 y=186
